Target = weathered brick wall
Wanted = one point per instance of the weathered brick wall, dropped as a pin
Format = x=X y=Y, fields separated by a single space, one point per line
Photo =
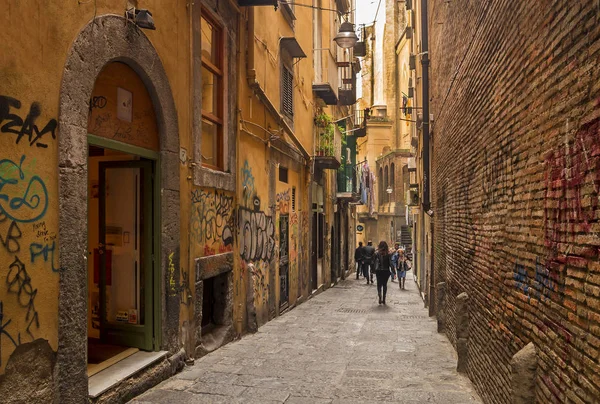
x=516 y=183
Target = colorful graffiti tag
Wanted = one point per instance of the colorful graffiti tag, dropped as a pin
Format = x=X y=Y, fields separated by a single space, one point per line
x=212 y=221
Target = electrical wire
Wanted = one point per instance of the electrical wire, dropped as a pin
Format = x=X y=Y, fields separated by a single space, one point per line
x=377 y=12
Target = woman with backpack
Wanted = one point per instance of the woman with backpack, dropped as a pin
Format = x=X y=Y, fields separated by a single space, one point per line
x=382 y=269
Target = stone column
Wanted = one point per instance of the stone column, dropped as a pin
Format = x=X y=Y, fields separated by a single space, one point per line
x=441 y=308
x=462 y=331
x=523 y=371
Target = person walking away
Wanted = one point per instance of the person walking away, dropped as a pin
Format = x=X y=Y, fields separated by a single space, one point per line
x=382 y=269
x=358 y=258
x=402 y=268
x=394 y=265
x=368 y=256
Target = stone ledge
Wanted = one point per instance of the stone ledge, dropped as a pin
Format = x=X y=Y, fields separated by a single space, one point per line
x=211 y=266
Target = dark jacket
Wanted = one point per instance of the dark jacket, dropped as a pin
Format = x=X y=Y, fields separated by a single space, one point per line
x=383 y=262
x=368 y=254
x=359 y=254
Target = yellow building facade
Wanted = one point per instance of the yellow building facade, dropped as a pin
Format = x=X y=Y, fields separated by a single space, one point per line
x=161 y=183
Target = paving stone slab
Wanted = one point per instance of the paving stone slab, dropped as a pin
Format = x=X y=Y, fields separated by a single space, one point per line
x=339 y=348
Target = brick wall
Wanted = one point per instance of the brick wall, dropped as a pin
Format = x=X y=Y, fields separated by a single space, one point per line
x=516 y=184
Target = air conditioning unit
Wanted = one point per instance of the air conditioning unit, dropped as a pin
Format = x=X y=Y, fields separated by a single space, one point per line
x=412 y=197
x=409 y=32
x=409 y=4
x=412 y=62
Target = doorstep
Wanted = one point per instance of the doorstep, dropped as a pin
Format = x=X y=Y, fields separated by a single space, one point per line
x=109 y=377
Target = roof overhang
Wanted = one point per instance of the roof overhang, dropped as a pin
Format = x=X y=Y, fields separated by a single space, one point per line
x=293 y=48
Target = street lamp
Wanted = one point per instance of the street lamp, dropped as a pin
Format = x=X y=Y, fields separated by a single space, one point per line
x=389 y=192
x=346 y=38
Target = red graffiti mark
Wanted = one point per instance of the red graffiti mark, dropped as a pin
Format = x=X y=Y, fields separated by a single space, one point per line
x=572 y=183
x=221 y=249
x=209 y=251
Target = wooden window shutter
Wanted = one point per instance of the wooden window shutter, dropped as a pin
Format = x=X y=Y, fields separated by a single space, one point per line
x=287 y=92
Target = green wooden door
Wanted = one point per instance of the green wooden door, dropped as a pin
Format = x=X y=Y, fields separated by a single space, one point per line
x=126 y=253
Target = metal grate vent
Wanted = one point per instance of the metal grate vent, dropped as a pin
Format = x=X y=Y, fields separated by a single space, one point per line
x=414 y=317
x=351 y=311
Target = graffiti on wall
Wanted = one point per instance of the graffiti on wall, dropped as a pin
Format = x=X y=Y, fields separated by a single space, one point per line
x=19 y=283
x=544 y=286
x=23 y=197
x=23 y=200
x=283 y=202
x=256 y=234
x=304 y=226
x=4 y=333
x=293 y=251
x=258 y=274
x=248 y=184
x=98 y=102
x=12 y=122
x=572 y=187
x=212 y=221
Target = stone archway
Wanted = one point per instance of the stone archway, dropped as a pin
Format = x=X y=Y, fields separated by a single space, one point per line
x=107 y=39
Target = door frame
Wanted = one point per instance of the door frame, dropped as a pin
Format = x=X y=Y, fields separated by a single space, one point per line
x=154 y=156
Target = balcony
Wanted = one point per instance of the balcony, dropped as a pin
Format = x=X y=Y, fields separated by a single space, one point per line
x=328 y=143
x=326 y=77
x=361 y=117
x=348 y=183
x=347 y=79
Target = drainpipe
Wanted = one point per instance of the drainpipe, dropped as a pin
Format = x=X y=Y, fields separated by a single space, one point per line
x=250 y=70
x=425 y=87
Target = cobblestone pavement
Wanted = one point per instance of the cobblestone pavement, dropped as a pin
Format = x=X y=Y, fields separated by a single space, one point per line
x=339 y=347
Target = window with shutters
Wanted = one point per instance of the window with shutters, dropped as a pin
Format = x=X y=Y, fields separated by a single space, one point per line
x=287 y=92
x=211 y=146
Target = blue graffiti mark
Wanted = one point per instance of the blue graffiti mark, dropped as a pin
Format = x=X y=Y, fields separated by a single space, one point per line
x=45 y=251
x=247 y=183
x=20 y=200
x=542 y=286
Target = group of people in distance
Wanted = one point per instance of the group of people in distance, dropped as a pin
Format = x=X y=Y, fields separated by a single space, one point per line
x=383 y=262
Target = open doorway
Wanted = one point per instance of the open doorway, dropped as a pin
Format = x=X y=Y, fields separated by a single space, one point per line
x=120 y=251
x=123 y=155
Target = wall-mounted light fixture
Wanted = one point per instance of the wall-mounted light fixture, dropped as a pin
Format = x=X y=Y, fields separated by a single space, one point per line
x=346 y=37
x=141 y=17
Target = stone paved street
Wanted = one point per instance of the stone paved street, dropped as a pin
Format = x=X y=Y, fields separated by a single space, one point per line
x=339 y=347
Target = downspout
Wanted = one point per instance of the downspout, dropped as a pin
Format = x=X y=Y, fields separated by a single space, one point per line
x=250 y=70
x=426 y=150
x=397 y=100
x=425 y=100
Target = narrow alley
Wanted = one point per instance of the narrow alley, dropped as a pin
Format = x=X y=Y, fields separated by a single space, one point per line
x=339 y=347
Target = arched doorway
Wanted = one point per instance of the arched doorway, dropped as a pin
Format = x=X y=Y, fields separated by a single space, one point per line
x=123 y=155
x=124 y=44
